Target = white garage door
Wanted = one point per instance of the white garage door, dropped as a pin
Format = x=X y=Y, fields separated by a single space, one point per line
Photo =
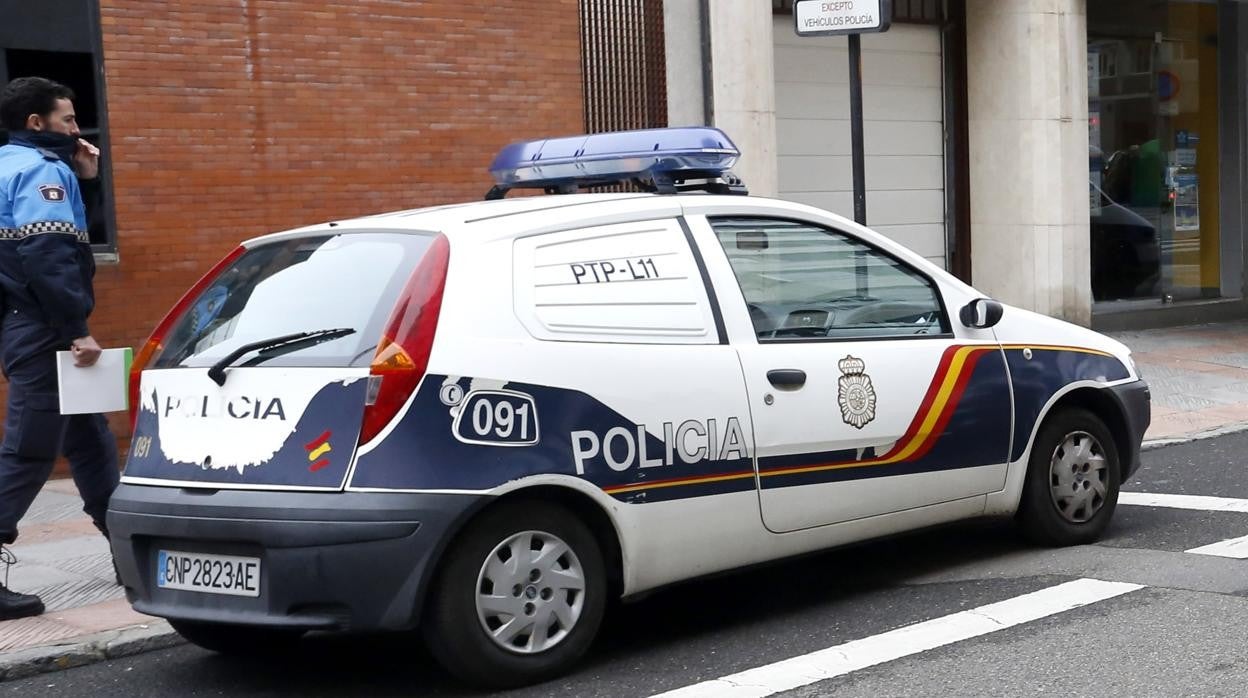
x=903 y=129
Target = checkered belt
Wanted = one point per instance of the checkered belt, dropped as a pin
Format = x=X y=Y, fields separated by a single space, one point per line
x=45 y=228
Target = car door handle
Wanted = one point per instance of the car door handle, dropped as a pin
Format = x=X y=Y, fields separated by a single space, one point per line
x=787 y=378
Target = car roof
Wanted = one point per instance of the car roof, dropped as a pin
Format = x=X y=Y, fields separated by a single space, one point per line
x=482 y=216
x=452 y=216
x=482 y=221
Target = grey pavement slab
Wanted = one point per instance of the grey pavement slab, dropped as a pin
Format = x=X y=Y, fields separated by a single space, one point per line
x=77 y=593
x=63 y=550
x=1185 y=402
x=1194 y=381
x=28 y=576
x=53 y=506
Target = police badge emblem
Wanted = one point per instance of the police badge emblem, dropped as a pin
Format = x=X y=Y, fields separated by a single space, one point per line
x=856 y=395
x=52 y=193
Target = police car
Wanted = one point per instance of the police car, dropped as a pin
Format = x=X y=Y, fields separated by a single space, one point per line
x=487 y=419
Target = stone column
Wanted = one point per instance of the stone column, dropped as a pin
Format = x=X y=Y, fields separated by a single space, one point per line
x=744 y=88
x=742 y=79
x=682 y=31
x=1028 y=109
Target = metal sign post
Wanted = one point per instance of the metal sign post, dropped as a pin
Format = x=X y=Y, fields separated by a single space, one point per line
x=852 y=18
x=855 y=129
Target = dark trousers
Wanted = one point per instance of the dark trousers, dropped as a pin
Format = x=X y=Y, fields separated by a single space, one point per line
x=35 y=433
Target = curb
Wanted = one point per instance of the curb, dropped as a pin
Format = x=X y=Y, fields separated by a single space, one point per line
x=88 y=649
x=1195 y=436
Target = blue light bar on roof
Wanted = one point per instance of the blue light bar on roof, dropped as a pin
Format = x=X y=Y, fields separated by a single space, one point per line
x=657 y=159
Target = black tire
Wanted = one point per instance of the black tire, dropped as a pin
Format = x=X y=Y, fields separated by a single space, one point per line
x=1046 y=514
x=238 y=640
x=456 y=633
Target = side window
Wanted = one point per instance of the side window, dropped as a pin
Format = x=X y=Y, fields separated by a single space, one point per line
x=801 y=281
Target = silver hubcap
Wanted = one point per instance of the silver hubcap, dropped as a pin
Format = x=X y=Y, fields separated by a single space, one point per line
x=1077 y=477
x=530 y=592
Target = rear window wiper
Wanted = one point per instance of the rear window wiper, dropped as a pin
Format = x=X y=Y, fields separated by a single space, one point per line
x=217 y=372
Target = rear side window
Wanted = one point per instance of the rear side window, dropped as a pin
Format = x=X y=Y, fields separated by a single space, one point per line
x=299 y=285
x=623 y=283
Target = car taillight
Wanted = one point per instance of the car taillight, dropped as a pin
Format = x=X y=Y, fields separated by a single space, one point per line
x=155 y=344
x=403 y=352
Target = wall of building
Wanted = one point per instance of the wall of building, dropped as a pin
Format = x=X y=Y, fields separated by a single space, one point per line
x=229 y=120
x=903 y=129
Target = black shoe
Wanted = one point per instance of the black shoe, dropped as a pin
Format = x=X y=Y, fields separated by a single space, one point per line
x=15 y=605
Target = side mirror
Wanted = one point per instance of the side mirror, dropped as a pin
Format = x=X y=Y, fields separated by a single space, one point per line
x=981 y=313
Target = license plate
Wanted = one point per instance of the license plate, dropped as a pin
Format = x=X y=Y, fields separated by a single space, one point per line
x=213 y=574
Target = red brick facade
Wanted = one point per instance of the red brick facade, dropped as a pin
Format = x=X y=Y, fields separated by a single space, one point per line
x=228 y=120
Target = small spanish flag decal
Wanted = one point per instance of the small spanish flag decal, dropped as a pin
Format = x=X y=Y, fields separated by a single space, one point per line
x=316 y=449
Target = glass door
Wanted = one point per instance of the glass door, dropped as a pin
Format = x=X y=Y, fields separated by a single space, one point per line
x=1153 y=150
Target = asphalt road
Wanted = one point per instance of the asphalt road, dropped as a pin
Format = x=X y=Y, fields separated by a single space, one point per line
x=1184 y=632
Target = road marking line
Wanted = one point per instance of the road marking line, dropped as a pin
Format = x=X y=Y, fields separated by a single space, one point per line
x=1236 y=548
x=1184 y=501
x=859 y=654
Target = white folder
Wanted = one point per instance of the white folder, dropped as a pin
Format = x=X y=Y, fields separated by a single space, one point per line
x=103 y=387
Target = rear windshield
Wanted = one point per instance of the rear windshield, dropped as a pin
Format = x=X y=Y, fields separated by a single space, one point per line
x=345 y=281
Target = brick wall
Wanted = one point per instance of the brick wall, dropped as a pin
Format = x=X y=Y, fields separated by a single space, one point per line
x=232 y=119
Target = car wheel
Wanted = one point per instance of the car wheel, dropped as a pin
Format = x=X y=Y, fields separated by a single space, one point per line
x=238 y=640
x=1072 y=482
x=519 y=597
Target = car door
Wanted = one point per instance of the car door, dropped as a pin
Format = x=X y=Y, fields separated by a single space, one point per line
x=864 y=399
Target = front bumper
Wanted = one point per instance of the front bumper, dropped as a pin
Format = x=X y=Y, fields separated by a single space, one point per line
x=350 y=560
x=1135 y=403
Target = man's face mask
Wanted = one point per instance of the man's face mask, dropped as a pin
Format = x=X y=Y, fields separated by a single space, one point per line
x=64 y=146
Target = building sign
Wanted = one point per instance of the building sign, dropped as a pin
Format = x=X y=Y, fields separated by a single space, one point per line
x=833 y=17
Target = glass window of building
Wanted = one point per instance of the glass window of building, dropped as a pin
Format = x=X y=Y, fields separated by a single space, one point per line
x=1154 y=149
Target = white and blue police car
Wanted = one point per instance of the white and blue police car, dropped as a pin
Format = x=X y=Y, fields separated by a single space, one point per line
x=487 y=419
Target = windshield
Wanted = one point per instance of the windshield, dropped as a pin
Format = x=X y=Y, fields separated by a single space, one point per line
x=299 y=285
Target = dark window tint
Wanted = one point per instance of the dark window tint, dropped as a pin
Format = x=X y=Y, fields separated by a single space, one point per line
x=802 y=281
x=298 y=285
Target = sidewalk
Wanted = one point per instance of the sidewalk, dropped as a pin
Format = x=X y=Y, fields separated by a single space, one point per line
x=63 y=559
x=1198 y=375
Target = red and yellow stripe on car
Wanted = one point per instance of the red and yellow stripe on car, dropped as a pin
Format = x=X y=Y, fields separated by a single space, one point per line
x=939 y=404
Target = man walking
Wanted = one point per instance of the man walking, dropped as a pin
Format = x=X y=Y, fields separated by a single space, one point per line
x=46 y=272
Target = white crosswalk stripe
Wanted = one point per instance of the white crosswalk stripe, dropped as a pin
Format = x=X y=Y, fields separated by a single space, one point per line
x=912 y=639
x=1183 y=501
x=1236 y=548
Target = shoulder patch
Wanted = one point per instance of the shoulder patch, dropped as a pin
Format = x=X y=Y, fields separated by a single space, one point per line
x=53 y=193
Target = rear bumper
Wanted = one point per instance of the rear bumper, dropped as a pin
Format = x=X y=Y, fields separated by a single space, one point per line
x=1135 y=402
x=348 y=560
